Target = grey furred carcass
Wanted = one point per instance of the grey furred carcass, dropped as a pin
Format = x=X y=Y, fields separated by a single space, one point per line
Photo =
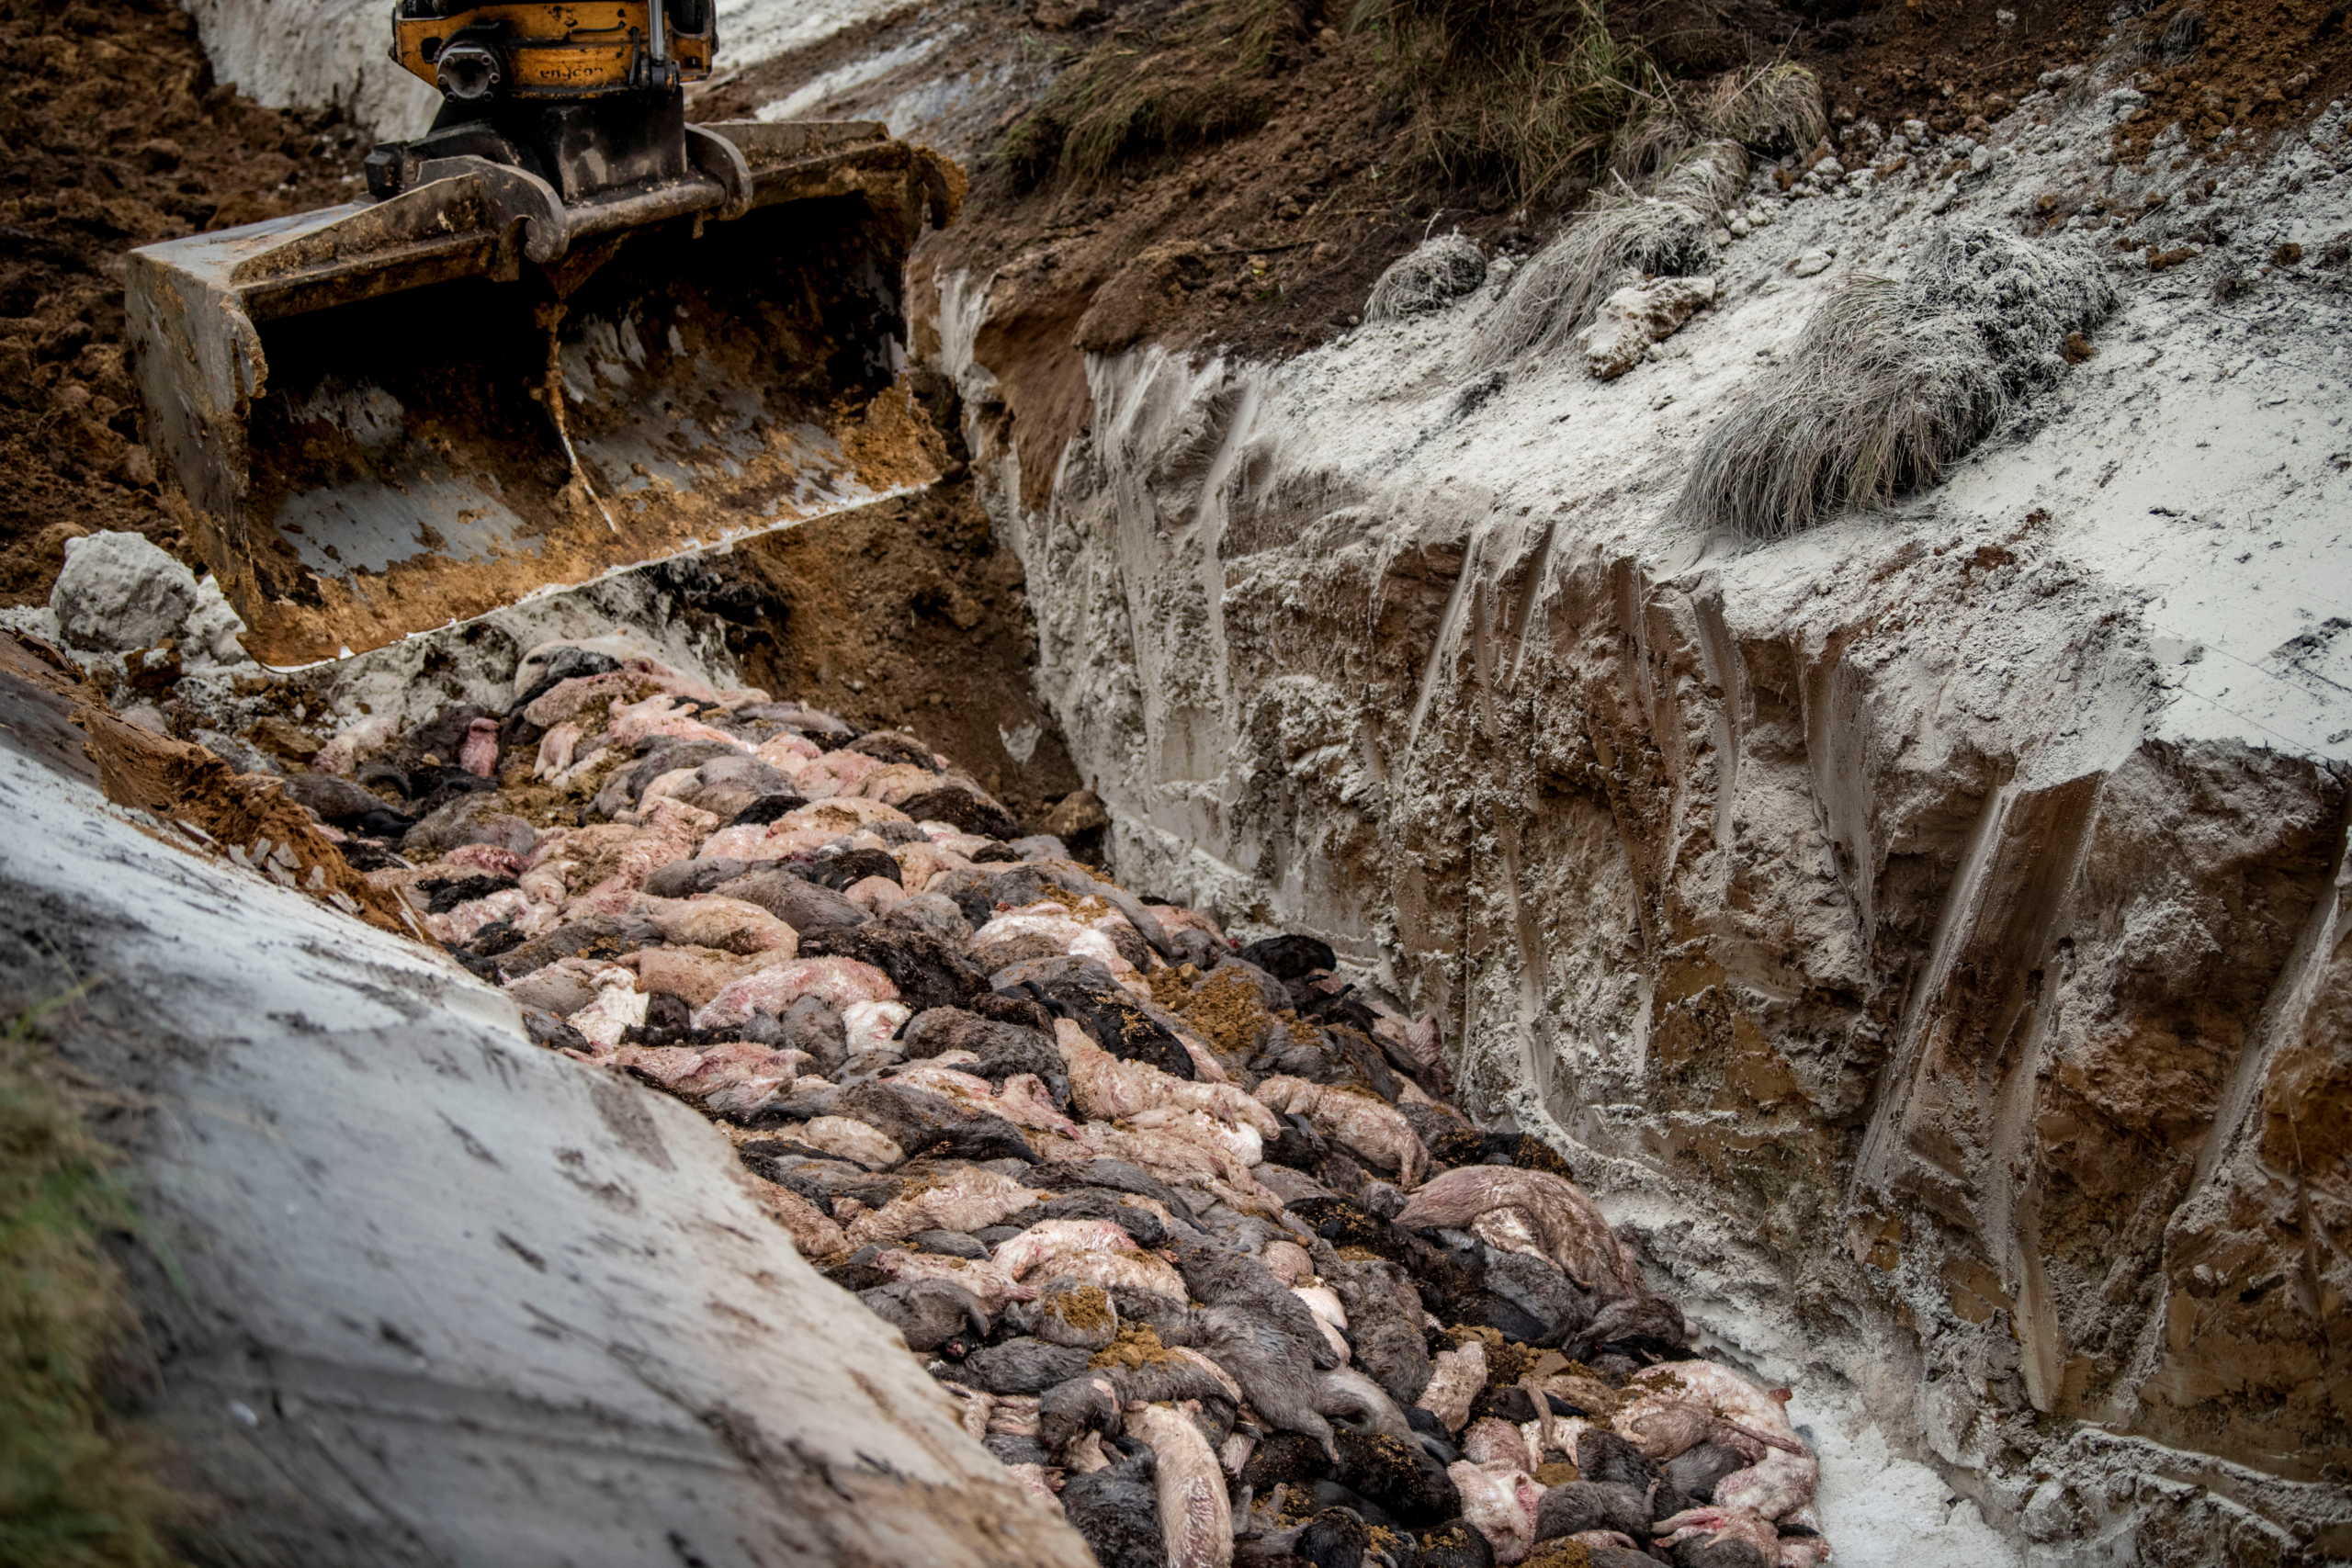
x=1180 y=1230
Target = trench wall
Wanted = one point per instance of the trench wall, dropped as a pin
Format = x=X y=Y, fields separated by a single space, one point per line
x=1953 y=1035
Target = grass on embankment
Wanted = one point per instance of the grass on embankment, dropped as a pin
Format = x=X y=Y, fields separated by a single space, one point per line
x=75 y=1490
x=1511 y=95
x=1507 y=96
x=1192 y=74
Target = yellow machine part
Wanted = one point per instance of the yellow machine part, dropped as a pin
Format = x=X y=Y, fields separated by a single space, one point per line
x=555 y=51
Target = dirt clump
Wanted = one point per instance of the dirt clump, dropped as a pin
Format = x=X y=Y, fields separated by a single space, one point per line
x=1226 y=1008
x=212 y=808
x=1560 y=1554
x=113 y=135
x=1947 y=65
x=1137 y=1345
x=1087 y=1306
x=2255 y=67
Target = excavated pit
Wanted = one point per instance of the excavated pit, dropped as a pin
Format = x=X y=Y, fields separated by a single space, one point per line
x=1926 y=935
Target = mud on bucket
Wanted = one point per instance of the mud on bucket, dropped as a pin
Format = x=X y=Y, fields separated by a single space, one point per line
x=383 y=422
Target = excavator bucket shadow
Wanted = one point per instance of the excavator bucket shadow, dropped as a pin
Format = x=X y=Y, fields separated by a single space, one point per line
x=392 y=416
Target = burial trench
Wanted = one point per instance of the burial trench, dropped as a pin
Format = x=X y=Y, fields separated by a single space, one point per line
x=1185 y=1227
x=1918 y=1293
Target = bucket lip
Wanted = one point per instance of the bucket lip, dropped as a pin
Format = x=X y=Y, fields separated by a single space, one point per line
x=189 y=253
x=770 y=148
x=474 y=217
x=720 y=545
x=200 y=307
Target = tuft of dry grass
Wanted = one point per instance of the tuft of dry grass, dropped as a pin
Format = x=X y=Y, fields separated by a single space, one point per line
x=1190 y=76
x=1769 y=109
x=1663 y=230
x=75 y=1491
x=1876 y=401
x=1513 y=95
x=1426 y=279
x=1893 y=381
x=1677 y=166
x=1773 y=108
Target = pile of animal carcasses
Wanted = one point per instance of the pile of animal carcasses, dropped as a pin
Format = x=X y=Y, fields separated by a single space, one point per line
x=1188 y=1231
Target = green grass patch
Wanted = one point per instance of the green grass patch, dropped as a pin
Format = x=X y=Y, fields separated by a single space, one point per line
x=1193 y=74
x=1511 y=95
x=75 y=1491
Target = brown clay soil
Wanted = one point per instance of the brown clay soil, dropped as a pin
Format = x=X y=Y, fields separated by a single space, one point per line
x=1947 y=64
x=112 y=134
x=907 y=615
x=1267 y=242
x=2256 y=66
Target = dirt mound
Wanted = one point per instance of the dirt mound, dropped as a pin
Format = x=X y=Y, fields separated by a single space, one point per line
x=2253 y=66
x=113 y=134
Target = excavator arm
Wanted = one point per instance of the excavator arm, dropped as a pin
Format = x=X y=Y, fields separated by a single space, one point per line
x=477 y=51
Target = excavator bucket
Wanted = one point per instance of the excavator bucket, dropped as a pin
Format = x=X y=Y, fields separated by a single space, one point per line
x=394 y=415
